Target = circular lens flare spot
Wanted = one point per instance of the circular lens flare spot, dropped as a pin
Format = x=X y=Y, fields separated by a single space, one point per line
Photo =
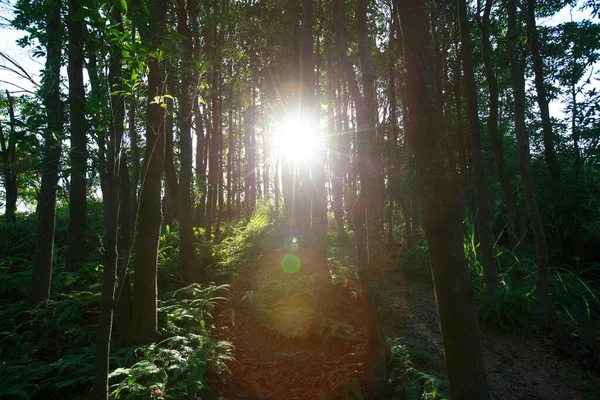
x=290 y=264
x=291 y=244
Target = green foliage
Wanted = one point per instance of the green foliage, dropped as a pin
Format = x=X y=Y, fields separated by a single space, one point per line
x=176 y=366
x=415 y=374
x=514 y=306
x=414 y=260
x=342 y=262
x=243 y=240
x=49 y=349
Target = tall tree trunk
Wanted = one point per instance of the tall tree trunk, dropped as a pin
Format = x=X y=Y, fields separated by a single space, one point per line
x=111 y=218
x=9 y=170
x=517 y=68
x=250 y=170
x=484 y=217
x=171 y=199
x=144 y=324
x=508 y=193
x=126 y=226
x=78 y=128
x=366 y=204
x=201 y=143
x=230 y=156
x=191 y=270
x=135 y=159
x=441 y=211
x=335 y=135
x=542 y=98
x=41 y=274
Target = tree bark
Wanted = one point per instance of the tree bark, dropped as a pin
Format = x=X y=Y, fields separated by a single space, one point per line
x=200 y=165
x=250 y=170
x=135 y=159
x=144 y=324
x=9 y=169
x=484 y=217
x=508 y=193
x=191 y=270
x=441 y=211
x=517 y=69
x=76 y=252
x=41 y=274
x=364 y=210
x=111 y=218
x=542 y=98
x=171 y=199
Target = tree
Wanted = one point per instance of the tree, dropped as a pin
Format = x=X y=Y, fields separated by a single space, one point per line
x=8 y=152
x=541 y=247
x=41 y=274
x=483 y=204
x=191 y=269
x=76 y=250
x=143 y=328
x=508 y=192
x=542 y=96
x=367 y=203
x=111 y=214
x=441 y=210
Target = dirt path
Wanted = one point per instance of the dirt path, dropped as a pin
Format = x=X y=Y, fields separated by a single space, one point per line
x=296 y=337
x=292 y=339
x=518 y=367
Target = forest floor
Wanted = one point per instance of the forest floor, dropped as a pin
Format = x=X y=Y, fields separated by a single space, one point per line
x=270 y=316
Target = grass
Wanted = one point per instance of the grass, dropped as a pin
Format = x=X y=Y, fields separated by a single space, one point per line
x=574 y=288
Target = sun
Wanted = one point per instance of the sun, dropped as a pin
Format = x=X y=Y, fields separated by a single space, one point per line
x=296 y=140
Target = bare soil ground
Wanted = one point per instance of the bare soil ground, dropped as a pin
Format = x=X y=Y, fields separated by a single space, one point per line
x=283 y=351
x=519 y=366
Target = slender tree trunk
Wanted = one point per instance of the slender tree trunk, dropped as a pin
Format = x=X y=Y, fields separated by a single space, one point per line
x=575 y=133
x=365 y=209
x=484 y=216
x=441 y=212
x=9 y=170
x=230 y=155
x=135 y=159
x=191 y=270
x=111 y=219
x=250 y=170
x=541 y=248
x=336 y=152
x=144 y=324
x=41 y=274
x=126 y=226
x=508 y=193
x=542 y=98
x=76 y=252
x=171 y=199
x=200 y=165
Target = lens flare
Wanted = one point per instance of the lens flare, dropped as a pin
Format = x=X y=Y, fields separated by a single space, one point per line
x=291 y=244
x=290 y=264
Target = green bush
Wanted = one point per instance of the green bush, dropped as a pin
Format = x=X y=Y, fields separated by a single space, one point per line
x=412 y=380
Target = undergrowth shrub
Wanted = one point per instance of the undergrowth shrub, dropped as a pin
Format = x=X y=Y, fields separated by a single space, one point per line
x=243 y=240
x=574 y=289
x=414 y=260
x=341 y=259
x=414 y=374
x=176 y=366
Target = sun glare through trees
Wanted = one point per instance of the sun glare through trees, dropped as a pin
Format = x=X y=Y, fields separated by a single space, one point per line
x=297 y=139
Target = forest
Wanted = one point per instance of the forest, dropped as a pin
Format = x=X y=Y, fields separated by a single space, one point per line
x=315 y=199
